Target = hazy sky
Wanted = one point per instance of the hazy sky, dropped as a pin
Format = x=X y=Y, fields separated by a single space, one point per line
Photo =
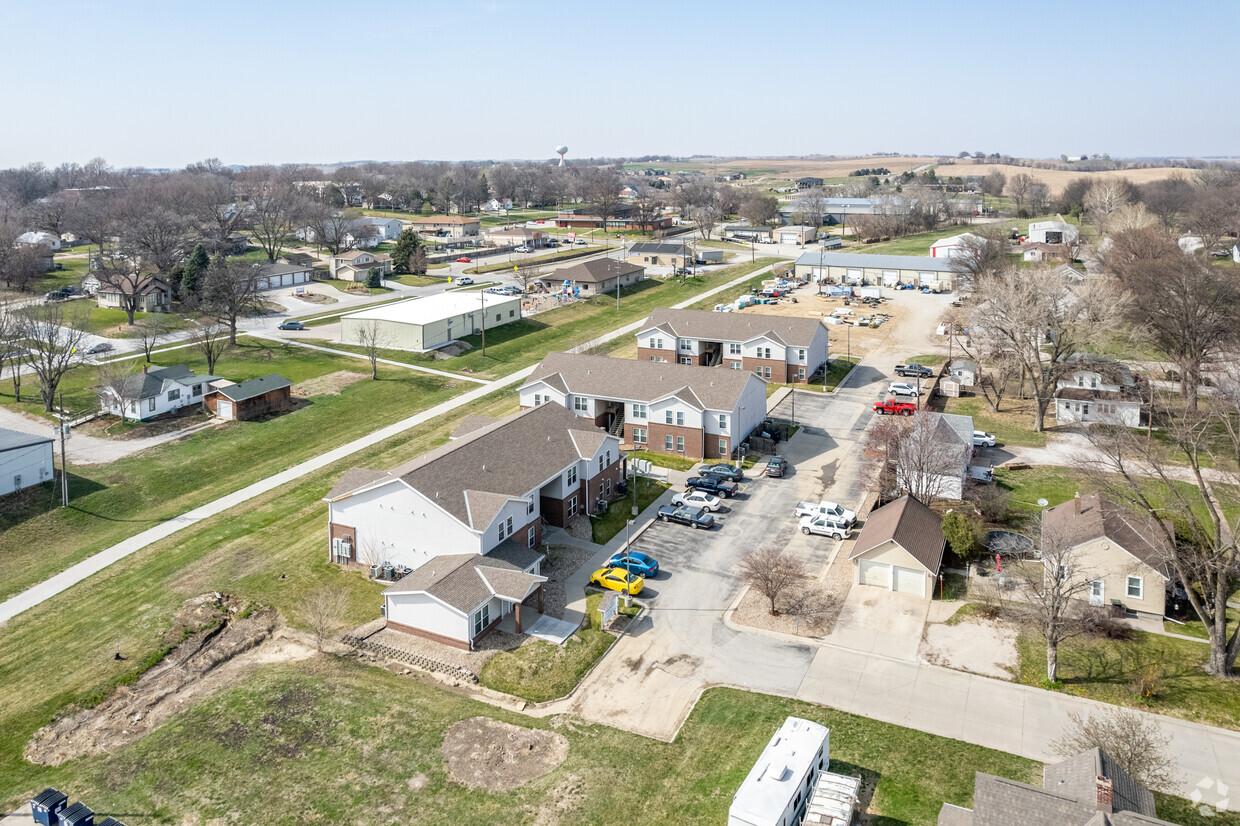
x=162 y=84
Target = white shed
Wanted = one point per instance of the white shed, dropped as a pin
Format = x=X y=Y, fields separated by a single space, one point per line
x=955 y=245
x=25 y=460
x=1052 y=232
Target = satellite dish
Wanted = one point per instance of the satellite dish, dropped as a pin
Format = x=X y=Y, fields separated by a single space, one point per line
x=1042 y=503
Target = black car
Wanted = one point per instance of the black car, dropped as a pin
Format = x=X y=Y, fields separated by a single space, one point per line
x=695 y=517
x=914 y=370
x=776 y=466
x=723 y=472
x=292 y=325
x=712 y=484
x=101 y=347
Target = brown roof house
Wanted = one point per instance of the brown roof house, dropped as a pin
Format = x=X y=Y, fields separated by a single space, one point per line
x=467 y=519
x=447 y=226
x=249 y=399
x=355 y=265
x=1086 y=790
x=900 y=548
x=1123 y=554
x=599 y=275
x=154 y=293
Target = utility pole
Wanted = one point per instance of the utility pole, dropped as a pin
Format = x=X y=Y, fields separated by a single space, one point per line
x=483 y=293
x=64 y=457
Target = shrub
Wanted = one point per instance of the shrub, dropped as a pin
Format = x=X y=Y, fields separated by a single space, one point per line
x=1147 y=681
x=374 y=279
x=992 y=502
x=961 y=534
x=1100 y=622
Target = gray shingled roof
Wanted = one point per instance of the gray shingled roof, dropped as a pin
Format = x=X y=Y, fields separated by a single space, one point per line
x=594 y=271
x=465 y=581
x=1077 y=778
x=651 y=248
x=951 y=815
x=1114 y=372
x=912 y=525
x=151 y=383
x=922 y=263
x=251 y=388
x=354 y=479
x=1099 y=517
x=640 y=381
x=283 y=268
x=704 y=324
x=13 y=439
x=471 y=423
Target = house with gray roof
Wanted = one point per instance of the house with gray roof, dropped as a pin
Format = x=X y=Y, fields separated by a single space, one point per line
x=856 y=269
x=660 y=254
x=1097 y=389
x=598 y=275
x=467 y=518
x=778 y=348
x=251 y=398
x=694 y=412
x=156 y=391
x=283 y=274
x=1089 y=789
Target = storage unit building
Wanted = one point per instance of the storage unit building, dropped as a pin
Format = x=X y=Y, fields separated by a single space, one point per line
x=886 y=270
x=25 y=460
x=429 y=323
x=796 y=234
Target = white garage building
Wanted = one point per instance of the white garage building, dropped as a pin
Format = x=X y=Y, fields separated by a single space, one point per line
x=900 y=548
x=854 y=269
x=281 y=274
x=25 y=460
x=430 y=323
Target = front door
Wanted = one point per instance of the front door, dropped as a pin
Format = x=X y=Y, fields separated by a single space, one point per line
x=1097 y=590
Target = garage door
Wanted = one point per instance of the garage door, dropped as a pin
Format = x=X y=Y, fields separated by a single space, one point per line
x=787 y=238
x=875 y=573
x=927 y=279
x=890 y=278
x=224 y=409
x=854 y=277
x=909 y=581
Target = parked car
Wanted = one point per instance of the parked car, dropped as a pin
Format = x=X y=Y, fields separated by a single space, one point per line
x=694 y=517
x=826 y=508
x=776 y=466
x=511 y=289
x=618 y=579
x=712 y=484
x=581 y=242
x=464 y=259
x=464 y=280
x=895 y=407
x=523 y=248
x=983 y=439
x=635 y=562
x=292 y=325
x=698 y=499
x=826 y=526
x=101 y=347
x=899 y=388
x=914 y=370
x=723 y=472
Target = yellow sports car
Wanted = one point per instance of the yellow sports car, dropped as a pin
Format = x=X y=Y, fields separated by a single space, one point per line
x=615 y=579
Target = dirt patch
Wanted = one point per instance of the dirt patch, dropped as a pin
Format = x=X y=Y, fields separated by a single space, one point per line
x=485 y=753
x=220 y=643
x=329 y=385
x=986 y=648
x=456 y=348
x=111 y=427
x=315 y=298
x=579 y=527
x=562 y=562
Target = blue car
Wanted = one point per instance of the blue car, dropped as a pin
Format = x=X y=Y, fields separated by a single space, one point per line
x=635 y=562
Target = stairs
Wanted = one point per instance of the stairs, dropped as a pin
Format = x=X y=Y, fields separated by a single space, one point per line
x=617 y=425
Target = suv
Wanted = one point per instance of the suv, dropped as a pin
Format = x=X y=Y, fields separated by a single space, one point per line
x=825 y=525
x=899 y=388
x=712 y=484
x=913 y=371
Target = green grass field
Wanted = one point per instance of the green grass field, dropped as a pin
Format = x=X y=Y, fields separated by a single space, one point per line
x=1012 y=425
x=620 y=511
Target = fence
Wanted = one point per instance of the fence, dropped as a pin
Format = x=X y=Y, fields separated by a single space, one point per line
x=484 y=252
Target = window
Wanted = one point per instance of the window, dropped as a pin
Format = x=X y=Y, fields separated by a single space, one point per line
x=537 y=399
x=1080 y=381
x=607 y=488
x=570 y=478
x=680 y=444
x=736 y=365
x=764 y=352
x=656 y=343
x=174 y=394
x=600 y=490
x=510 y=526
x=667 y=417
x=608 y=455
x=501 y=531
x=152 y=405
x=531 y=537
x=499 y=317
x=481 y=619
x=572 y=506
x=600 y=464
x=639 y=411
x=734 y=348
x=1093 y=382
x=197 y=389
x=579 y=403
x=512 y=313
x=667 y=443
x=680 y=418
x=685 y=344
x=639 y=435
x=723 y=447
x=1136 y=587
x=800 y=372
x=766 y=372
x=686 y=359
x=801 y=355
x=723 y=421
x=1084 y=410
x=529 y=506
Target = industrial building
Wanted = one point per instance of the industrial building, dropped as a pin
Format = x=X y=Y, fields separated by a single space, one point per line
x=430 y=323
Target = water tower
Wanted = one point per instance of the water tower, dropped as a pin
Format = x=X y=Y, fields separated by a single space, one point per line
x=561 y=150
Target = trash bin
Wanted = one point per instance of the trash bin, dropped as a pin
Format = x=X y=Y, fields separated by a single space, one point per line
x=77 y=815
x=47 y=806
x=110 y=821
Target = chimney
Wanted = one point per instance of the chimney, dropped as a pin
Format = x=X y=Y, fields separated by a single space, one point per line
x=1077 y=501
x=1104 y=795
x=144 y=368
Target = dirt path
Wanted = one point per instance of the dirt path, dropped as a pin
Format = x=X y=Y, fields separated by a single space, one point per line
x=92 y=450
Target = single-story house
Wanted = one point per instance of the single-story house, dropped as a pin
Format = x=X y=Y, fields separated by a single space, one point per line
x=40 y=239
x=855 y=269
x=497 y=205
x=386 y=229
x=281 y=274
x=249 y=399
x=1044 y=252
x=795 y=234
x=356 y=265
x=156 y=391
x=447 y=226
x=598 y=275
x=517 y=236
x=1124 y=555
x=154 y=293
x=660 y=254
x=748 y=232
x=955 y=245
x=808 y=183
x=1052 y=232
x=1089 y=789
x=421 y=324
x=25 y=460
x=1097 y=389
x=963 y=371
x=900 y=548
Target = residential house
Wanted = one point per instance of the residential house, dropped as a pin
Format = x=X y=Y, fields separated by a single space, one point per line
x=954 y=245
x=1089 y=789
x=1052 y=232
x=40 y=239
x=517 y=236
x=886 y=270
x=498 y=205
x=695 y=412
x=900 y=548
x=356 y=265
x=778 y=787
x=943 y=446
x=1044 y=253
x=281 y=274
x=249 y=399
x=748 y=232
x=467 y=518
x=1097 y=389
x=781 y=349
x=154 y=293
x=598 y=275
x=964 y=372
x=25 y=460
x=628 y=192
x=156 y=391
x=448 y=226
x=385 y=229
x=1124 y=555
x=355 y=234
x=795 y=234
x=660 y=254
x=808 y=183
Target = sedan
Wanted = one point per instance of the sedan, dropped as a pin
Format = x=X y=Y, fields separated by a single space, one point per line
x=636 y=562
x=698 y=499
x=899 y=388
x=696 y=517
x=776 y=466
x=464 y=280
x=618 y=579
x=292 y=325
x=101 y=347
x=464 y=259
x=983 y=439
x=723 y=472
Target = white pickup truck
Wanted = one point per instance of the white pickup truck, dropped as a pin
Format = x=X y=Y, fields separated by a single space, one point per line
x=830 y=510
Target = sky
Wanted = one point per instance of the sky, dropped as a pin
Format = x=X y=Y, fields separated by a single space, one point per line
x=163 y=84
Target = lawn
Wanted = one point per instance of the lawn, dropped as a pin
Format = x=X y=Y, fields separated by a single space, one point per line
x=1012 y=425
x=112 y=323
x=1195 y=628
x=928 y=361
x=113 y=501
x=918 y=244
x=419 y=280
x=344 y=286
x=620 y=511
x=1105 y=670
x=665 y=460
x=539 y=671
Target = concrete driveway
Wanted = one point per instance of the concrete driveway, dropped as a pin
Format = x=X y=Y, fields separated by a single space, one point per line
x=881 y=622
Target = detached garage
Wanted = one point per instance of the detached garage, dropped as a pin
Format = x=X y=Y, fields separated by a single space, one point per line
x=250 y=399
x=900 y=548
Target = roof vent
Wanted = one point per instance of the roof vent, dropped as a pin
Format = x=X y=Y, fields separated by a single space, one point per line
x=484 y=467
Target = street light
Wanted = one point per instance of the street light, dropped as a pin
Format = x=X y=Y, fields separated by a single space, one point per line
x=628 y=562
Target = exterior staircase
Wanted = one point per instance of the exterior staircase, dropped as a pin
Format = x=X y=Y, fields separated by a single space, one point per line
x=617 y=425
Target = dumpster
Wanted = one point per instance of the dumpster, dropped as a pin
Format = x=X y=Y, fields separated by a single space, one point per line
x=77 y=815
x=110 y=821
x=47 y=806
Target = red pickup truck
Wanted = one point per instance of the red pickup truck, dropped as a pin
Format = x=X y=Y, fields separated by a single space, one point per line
x=895 y=408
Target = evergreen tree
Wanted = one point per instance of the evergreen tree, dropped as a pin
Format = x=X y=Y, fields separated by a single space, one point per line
x=406 y=244
x=374 y=279
x=195 y=268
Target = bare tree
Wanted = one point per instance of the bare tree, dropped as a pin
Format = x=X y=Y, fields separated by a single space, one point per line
x=811 y=206
x=150 y=331
x=211 y=339
x=1135 y=741
x=121 y=274
x=994 y=183
x=12 y=353
x=1168 y=198
x=771 y=571
x=274 y=212
x=153 y=225
x=982 y=254
x=1103 y=200
x=373 y=337
x=923 y=460
x=647 y=206
x=1213 y=217
x=54 y=340
x=1018 y=188
x=1039 y=195
x=1056 y=590
x=116 y=389
x=229 y=291
x=809 y=604
x=326 y=609
x=759 y=209
x=603 y=194
x=527 y=274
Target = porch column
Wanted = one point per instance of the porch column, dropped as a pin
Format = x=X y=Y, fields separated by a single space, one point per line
x=540 y=598
x=517 y=617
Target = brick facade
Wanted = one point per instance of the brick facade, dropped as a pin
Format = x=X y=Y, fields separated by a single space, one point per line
x=650 y=354
x=657 y=431
x=337 y=531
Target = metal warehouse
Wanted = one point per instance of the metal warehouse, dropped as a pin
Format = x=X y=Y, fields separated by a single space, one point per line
x=432 y=322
